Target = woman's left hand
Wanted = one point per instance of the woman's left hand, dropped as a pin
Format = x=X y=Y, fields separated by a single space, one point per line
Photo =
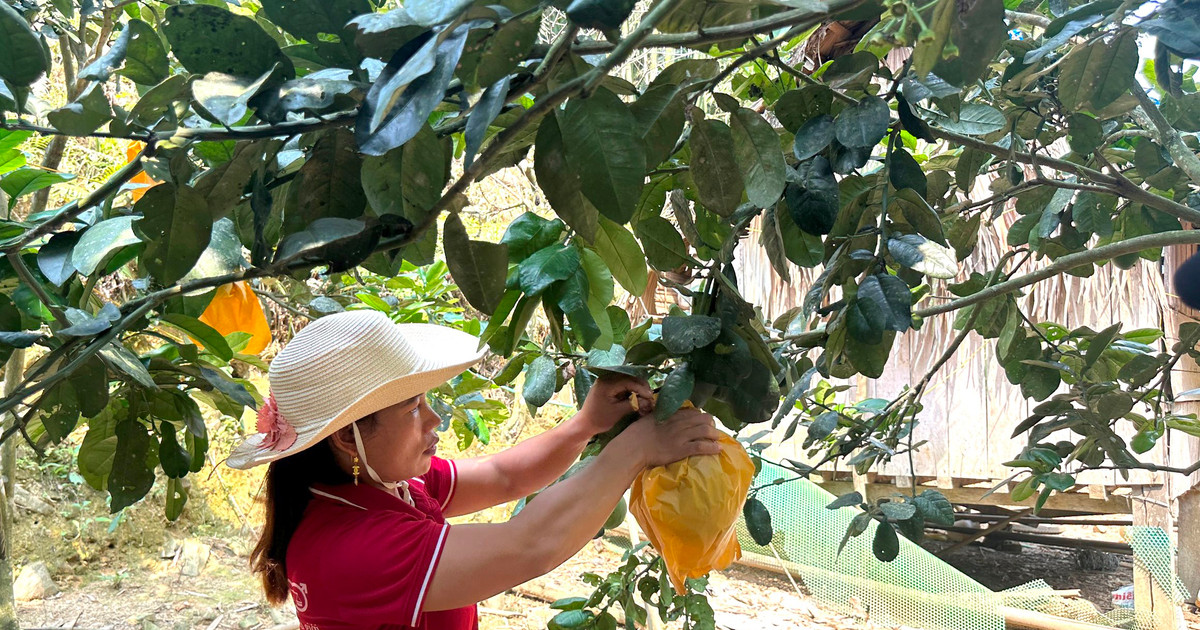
x=608 y=401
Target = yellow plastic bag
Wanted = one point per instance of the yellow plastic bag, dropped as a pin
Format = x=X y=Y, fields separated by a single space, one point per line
x=688 y=510
x=235 y=308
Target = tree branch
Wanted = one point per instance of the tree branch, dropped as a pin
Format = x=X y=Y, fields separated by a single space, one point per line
x=716 y=34
x=1149 y=116
x=1027 y=19
x=1070 y=261
x=97 y=197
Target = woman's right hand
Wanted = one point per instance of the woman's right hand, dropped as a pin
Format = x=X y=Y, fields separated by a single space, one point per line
x=688 y=432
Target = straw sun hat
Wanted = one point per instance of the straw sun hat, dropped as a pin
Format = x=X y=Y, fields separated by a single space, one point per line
x=343 y=367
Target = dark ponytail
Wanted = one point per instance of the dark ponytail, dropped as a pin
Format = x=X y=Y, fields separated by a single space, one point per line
x=287 y=495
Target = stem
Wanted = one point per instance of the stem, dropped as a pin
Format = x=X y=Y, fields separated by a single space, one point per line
x=1027 y=19
x=1070 y=261
x=628 y=44
x=27 y=278
x=1149 y=116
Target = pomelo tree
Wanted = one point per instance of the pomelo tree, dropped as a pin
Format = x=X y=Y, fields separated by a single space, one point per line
x=287 y=139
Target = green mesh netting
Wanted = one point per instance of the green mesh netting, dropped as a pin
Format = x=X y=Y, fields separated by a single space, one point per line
x=916 y=589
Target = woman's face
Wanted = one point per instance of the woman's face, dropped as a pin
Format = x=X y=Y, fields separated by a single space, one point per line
x=402 y=440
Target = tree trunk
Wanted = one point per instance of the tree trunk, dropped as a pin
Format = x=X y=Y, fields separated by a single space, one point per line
x=14 y=370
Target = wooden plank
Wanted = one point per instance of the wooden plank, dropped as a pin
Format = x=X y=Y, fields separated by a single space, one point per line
x=1149 y=599
x=1060 y=503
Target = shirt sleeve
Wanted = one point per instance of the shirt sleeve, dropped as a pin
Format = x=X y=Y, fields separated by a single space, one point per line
x=394 y=558
x=441 y=480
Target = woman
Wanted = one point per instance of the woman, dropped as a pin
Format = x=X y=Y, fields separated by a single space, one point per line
x=356 y=497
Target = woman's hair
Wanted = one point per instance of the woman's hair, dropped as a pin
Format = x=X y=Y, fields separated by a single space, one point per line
x=287 y=485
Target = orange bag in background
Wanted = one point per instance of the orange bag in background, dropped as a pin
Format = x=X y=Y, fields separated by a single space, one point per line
x=235 y=308
x=688 y=510
x=132 y=148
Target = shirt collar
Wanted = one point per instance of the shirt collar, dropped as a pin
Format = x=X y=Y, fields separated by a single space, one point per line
x=363 y=496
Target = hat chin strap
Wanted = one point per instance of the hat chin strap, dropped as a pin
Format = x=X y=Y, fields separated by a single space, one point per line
x=399 y=489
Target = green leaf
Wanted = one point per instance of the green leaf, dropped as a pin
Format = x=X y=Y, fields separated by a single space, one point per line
x=1086 y=133
x=176 y=227
x=676 y=389
x=863 y=125
x=329 y=184
x=59 y=411
x=137 y=53
x=571 y=619
x=771 y=242
x=145 y=57
x=130 y=478
x=407 y=91
x=601 y=15
x=758 y=521
x=800 y=247
x=1095 y=75
x=100 y=240
x=225 y=98
x=714 y=166
x=813 y=197
x=561 y=183
x=979 y=31
x=95 y=460
x=530 y=233
x=813 y=136
x=756 y=146
x=310 y=19
x=22 y=59
x=620 y=251
x=544 y=267
x=176 y=498
x=870 y=358
x=920 y=254
x=85 y=114
x=974 y=119
x=28 y=180
x=482 y=115
x=206 y=38
x=920 y=216
x=478 y=267
x=602 y=139
x=795 y=107
x=846 y=500
x=664 y=246
x=886 y=545
x=891 y=298
x=897 y=510
x=541 y=379
x=90 y=382
x=173 y=457
x=600 y=295
x=1092 y=213
x=54 y=258
x=211 y=339
x=660 y=118
x=904 y=172
x=683 y=333
x=820 y=428
x=934 y=507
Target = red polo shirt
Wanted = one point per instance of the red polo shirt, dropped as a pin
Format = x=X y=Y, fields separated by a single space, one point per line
x=363 y=558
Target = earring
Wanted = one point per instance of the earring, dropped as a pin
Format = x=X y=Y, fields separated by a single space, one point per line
x=355 y=464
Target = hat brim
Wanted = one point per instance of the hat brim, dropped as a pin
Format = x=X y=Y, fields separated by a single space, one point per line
x=456 y=352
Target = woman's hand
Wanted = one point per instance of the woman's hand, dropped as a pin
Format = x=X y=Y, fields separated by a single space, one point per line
x=688 y=432
x=608 y=401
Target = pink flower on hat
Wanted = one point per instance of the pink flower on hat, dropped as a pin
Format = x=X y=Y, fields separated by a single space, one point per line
x=280 y=435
